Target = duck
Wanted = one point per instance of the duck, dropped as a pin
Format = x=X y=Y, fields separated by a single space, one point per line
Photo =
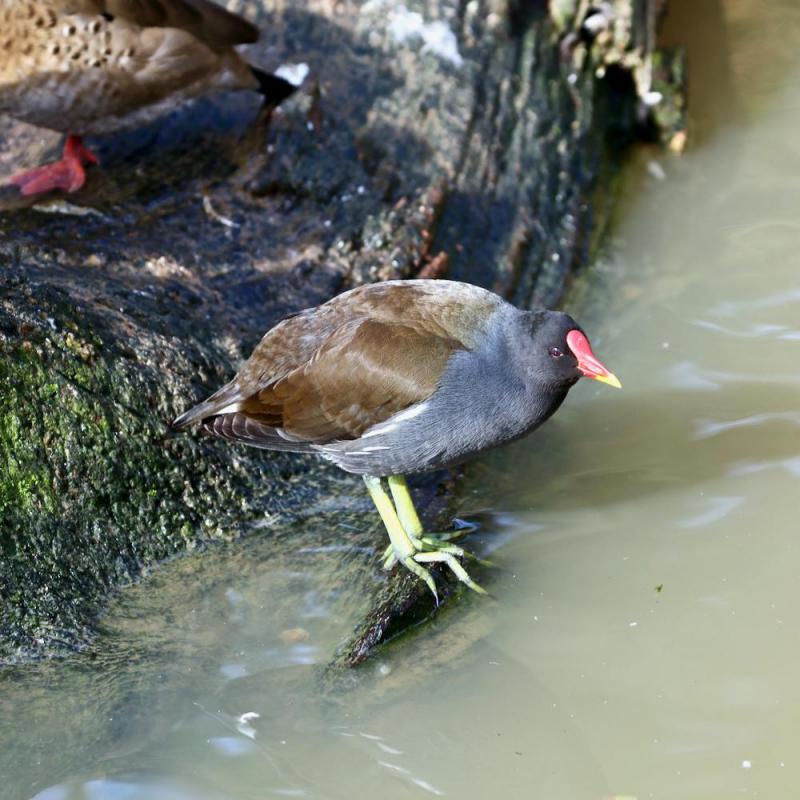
x=93 y=67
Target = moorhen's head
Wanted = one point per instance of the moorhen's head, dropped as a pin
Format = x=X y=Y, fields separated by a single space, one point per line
x=562 y=353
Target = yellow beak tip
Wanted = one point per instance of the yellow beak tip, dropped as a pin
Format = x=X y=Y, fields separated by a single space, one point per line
x=610 y=379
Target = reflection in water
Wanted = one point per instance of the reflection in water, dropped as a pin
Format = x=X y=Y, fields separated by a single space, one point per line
x=643 y=639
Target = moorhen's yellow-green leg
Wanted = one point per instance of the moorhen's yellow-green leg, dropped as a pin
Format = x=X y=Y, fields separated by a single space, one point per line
x=426 y=548
x=403 y=548
x=404 y=503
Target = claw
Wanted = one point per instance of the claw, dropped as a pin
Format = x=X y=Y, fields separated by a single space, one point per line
x=462 y=527
x=411 y=564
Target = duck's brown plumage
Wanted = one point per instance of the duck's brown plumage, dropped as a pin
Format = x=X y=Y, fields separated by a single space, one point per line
x=92 y=66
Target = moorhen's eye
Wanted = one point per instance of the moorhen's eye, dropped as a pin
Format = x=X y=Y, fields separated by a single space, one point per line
x=555 y=352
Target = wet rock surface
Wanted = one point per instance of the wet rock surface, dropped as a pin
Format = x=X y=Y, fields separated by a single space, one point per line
x=443 y=139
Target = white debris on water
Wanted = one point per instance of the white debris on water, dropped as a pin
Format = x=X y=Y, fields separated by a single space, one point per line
x=243 y=724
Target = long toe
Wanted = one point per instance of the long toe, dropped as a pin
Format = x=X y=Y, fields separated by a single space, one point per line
x=455 y=567
x=460 y=528
x=433 y=544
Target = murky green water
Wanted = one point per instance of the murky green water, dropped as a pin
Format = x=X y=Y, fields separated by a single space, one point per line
x=643 y=641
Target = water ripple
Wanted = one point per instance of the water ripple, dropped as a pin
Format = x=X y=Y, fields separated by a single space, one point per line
x=718 y=507
x=745 y=468
x=755 y=331
x=735 y=308
x=707 y=428
x=690 y=375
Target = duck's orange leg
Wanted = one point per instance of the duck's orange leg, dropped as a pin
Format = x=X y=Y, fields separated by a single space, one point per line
x=68 y=174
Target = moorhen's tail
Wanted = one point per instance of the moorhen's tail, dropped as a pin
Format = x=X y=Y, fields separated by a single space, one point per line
x=241 y=428
x=219 y=402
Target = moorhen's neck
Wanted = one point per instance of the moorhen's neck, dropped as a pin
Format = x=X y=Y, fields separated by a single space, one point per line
x=495 y=394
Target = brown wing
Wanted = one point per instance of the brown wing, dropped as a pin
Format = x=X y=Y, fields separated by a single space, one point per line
x=434 y=312
x=206 y=21
x=332 y=371
x=362 y=376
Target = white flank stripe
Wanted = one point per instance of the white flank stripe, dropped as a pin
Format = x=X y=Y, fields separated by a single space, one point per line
x=391 y=423
x=378 y=430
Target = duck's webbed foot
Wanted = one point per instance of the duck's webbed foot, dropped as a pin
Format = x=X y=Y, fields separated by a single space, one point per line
x=68 y=174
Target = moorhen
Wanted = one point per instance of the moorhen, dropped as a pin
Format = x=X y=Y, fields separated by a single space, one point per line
x=400 y=377
x=94 y=66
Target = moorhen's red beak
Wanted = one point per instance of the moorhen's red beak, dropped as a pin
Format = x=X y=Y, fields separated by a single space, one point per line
x=588 y=363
